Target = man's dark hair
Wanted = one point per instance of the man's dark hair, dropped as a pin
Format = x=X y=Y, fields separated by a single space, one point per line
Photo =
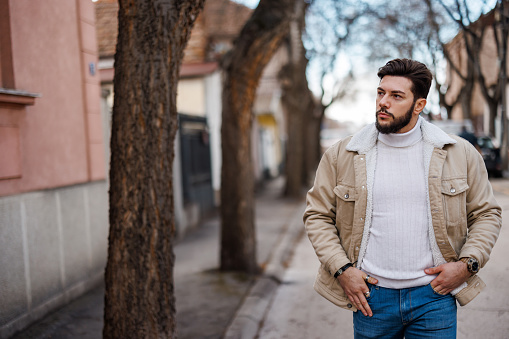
x=415 y=71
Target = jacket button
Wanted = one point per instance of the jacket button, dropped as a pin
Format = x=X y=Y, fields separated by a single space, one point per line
x=349 y=305
x=453 y=190
x=346 y=196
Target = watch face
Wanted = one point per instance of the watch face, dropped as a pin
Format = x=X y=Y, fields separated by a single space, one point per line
x=475 y=266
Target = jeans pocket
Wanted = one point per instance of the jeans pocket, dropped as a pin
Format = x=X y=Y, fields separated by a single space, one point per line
x=372 y=291
x=436 y=294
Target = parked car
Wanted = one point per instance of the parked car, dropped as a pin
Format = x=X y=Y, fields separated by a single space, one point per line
x=491 y=156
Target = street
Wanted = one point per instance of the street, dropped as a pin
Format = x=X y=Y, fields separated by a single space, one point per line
x=297 y=311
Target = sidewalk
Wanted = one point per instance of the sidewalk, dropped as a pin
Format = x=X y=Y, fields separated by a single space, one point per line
x=210 y=304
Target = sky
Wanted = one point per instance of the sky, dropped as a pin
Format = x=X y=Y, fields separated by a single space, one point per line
x=359 y=108
x=248 y=3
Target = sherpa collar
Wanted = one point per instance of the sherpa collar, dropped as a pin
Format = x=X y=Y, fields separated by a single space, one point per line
x=366 y=138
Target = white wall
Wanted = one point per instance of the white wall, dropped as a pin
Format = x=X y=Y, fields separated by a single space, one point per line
x=213 y=108
x=191 y=96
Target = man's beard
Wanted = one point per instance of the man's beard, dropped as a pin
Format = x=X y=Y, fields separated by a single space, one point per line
x=397 y=123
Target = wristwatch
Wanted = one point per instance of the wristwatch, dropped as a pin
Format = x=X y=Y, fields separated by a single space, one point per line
x=472 y=264
x=342 y=270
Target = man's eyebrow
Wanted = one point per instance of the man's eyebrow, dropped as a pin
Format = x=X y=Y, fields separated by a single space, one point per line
x=398 y=91
x=394 y=91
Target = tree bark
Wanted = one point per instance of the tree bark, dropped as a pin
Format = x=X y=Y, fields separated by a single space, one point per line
x=243 y=66
x=313 y=145
x=466 y=91
x=139 y=299
x=294 y=166
x=493 y=113
x=297 y=103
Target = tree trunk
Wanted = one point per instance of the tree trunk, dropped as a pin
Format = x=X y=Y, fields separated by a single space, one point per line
x=313 y=146
x=493 y=113
x=296 y=99
x=294 y=105
x=294 y=170
x=467 y=91
x=466 y=100
x=139 y=300
x=243 y=66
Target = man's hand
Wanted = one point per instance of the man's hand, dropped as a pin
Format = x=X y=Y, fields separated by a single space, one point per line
x=353 y=283
x=450 y=276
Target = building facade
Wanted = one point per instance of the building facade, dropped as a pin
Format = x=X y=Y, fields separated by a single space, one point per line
x=53 y=188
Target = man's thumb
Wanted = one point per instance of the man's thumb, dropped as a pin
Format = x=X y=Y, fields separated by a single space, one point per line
x=431 y=270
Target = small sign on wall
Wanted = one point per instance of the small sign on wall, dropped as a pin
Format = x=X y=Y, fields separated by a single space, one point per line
x=91 y=68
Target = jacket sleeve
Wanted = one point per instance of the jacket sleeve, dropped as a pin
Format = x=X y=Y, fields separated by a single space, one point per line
x=320 y=214
x=484 y=214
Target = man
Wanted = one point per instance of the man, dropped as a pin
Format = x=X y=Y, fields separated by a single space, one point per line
x=401 y=217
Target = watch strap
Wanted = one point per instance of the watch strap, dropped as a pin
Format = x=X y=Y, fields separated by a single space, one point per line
x=342 y=270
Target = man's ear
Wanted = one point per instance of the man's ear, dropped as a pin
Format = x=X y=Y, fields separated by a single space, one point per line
x=419 y=105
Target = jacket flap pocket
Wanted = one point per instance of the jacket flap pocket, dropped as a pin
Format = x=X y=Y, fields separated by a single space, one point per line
x=346 y=193
x=454 y=186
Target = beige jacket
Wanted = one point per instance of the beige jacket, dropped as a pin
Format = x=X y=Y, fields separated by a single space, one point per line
x=464 y=217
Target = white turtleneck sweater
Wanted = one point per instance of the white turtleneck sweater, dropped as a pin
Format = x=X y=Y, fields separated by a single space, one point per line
x=398 y=248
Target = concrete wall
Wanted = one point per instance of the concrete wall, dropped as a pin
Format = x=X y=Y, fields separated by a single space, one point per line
x=54 y=249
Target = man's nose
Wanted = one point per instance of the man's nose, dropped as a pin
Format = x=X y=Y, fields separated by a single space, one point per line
x=384 y=102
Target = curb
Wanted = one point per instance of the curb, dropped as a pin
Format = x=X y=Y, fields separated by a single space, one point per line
x=248 y=318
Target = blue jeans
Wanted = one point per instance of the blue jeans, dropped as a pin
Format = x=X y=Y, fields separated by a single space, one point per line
x=417 y=312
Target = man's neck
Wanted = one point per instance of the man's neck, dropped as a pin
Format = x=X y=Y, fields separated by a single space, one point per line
x=402 y=139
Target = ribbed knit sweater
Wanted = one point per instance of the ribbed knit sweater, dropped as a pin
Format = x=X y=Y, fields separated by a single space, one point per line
x=398 y=248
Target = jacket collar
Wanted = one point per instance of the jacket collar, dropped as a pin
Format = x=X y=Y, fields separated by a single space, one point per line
x=366 y=138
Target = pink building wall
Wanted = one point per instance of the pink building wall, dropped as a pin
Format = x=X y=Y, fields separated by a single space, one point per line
x=57 y=141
